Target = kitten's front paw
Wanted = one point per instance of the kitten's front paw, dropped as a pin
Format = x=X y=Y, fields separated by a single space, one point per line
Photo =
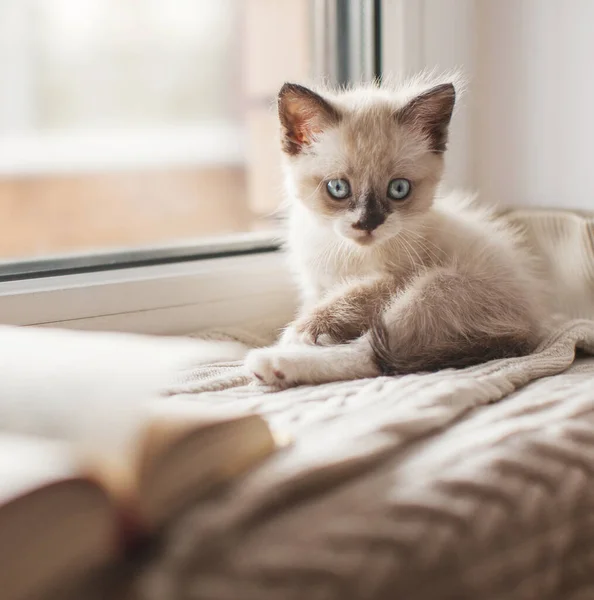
x=321 y=329
x=311 y=331
x=272 y=366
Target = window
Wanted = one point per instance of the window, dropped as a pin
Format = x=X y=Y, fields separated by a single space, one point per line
x=139 y=163
x=140 y=124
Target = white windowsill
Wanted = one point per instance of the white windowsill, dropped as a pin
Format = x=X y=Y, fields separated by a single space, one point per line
x=169 y=299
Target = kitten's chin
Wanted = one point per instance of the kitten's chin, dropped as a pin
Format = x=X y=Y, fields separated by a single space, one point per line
x=363 y=239
x=366 y=239
x=369 y=239
x=363 y=242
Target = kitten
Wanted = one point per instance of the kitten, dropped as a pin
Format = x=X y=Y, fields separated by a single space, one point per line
x=394 y=279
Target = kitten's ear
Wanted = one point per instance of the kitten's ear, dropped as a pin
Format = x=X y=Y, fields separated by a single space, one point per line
x=432 y=112
x=303 y=114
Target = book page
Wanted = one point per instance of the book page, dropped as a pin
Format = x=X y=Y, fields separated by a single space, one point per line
x=90 y=389
x=27 y=463
x=191 y=448
x=169 y=421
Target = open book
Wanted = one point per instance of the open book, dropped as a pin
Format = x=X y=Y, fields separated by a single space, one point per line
x=91 y=459
x=60 y=515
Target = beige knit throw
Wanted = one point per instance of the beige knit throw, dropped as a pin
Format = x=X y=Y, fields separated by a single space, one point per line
x=411 y=487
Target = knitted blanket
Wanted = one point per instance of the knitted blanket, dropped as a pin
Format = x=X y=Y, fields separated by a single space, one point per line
x=460 y=484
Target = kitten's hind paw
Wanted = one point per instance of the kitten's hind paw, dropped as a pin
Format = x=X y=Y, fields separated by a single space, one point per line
x=277 y=366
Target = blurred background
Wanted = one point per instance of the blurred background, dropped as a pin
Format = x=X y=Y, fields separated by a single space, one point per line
x=132 y=123
x=141 y=123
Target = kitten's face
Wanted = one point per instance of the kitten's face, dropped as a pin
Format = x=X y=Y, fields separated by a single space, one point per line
x=366 y=165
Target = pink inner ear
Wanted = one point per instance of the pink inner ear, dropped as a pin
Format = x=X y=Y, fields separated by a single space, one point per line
x=305 y=120
x=303 y=114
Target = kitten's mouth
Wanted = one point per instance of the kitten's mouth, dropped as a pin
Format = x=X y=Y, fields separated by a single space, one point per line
x=364 y=238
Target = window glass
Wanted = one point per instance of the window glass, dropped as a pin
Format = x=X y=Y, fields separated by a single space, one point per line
x=136 y=124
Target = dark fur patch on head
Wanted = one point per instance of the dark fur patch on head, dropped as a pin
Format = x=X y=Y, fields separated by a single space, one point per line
x=365 y=145
x=375 y=212
x=303 y=114
x=431 y=111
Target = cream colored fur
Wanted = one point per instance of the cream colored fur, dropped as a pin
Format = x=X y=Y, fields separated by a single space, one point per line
x=438 y=283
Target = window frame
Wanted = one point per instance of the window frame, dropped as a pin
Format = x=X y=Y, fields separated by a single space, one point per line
x=163 y=254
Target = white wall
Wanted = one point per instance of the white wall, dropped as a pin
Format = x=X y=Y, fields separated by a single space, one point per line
x=525 y=134
x=438 y=34
x=449 y=42
x=534 y=128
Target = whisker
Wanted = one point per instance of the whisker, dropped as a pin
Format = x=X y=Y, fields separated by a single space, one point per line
x=413 y=249
x=424 y=244
x=399 y=241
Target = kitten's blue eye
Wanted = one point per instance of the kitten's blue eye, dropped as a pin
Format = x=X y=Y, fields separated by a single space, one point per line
x=399 y=189
x=338 y=188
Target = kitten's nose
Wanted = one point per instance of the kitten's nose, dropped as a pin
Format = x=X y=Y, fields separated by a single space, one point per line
x=369 y=222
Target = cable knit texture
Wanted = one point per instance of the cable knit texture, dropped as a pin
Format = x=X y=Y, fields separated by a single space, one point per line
x=460 y=484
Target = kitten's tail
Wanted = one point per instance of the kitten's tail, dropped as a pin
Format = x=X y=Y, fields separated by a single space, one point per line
x=379 y=339
x=407 y=354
